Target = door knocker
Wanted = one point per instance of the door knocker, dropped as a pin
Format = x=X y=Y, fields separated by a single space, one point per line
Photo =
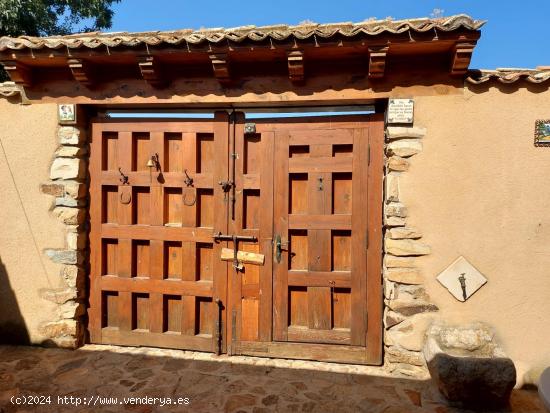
x=125 y=197
x=192 y=198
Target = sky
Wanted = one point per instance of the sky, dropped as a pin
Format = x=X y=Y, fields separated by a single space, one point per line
x=517 y=33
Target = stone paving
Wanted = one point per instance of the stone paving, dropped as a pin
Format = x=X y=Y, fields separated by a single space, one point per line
x=211 y=384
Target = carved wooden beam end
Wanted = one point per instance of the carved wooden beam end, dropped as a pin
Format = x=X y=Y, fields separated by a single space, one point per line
x=296 y=66
x=377 y=61
x=462 y=55
x=82 y=71
x=220 y=66
x=18 y=72
x=151 y=71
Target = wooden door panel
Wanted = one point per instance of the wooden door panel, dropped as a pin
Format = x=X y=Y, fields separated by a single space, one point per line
x=326 y=202
x=251 y=289
x=154 y=272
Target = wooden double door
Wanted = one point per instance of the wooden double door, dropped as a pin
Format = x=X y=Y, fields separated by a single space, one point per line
x=306 y=195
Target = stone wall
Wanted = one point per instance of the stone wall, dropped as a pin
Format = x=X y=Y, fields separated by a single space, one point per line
x=408 y=310
x=69 y=186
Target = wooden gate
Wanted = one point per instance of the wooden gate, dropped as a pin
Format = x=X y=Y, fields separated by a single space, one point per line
x=309 y=191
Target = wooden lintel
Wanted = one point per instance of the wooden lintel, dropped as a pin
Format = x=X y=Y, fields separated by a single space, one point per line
x=377 y=61
x=462 y=55
x=220 y=66
x=296 y=66
x=82 y=71
x=151 y=71
x=18 y=72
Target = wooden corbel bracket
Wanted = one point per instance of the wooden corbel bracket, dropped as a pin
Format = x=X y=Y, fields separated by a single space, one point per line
x=19 y=73
x=377 y=61
x=220 y=66
x=151 y=71
x=296 y=66
x=82 y=71
x=462 y=55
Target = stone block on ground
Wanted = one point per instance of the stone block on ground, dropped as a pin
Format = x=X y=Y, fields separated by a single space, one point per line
x=468 y=365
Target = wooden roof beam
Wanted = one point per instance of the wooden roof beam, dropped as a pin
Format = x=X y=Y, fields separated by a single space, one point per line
x=377 y=61
x=82 y=71
x=462 y=55
x=296 y=66
x=152 y=72
x=220 y=66
x=19 y=73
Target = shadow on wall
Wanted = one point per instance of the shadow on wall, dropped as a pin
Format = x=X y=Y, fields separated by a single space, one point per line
x=12 y=325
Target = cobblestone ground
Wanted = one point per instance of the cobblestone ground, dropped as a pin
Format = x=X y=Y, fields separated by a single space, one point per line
x=212 y=384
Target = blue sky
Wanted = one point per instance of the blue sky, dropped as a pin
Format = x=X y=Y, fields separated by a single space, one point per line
x=517 y=33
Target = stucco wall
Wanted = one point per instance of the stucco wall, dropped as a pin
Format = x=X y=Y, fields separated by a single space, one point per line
x=28 y=137
x=481 y=189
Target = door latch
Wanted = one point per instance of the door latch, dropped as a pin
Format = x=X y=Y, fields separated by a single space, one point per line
x=279 y=248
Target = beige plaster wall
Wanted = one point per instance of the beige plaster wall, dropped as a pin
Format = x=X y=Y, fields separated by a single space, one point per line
x=28 y=137
x=482 y=190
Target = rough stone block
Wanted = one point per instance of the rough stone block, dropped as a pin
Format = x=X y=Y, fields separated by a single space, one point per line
x=392 y=187
x=67 y=168
x=58 y=328
x=396 y=355
x=74 y=276
x=65 y=342
x=410 y=333
x=70 y=216
x=398 y=164
x=54 y=189
x=70 y=135
x=406 y=247
x=411 y=307
x=404 y=148
x=411 y=291
x=70 y=152
x=69 y=310
x=65 y=256
x=403 y=233
x=404 y=275
x=391 y=318
x=76 y=241
x=57 y=295
x=400 y=132
x=394 y=221
x=391 y=261
x=69 y=202
x=75 y=189
x=395 y=209
x=468 y=366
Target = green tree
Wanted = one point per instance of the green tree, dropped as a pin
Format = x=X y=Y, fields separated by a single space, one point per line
x=51 y=17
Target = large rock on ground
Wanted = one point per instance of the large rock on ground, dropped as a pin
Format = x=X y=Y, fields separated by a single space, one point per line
x=468 y=366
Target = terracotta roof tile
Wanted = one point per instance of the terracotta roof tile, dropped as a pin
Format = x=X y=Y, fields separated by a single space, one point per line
x=509 y=75
x=240 y=34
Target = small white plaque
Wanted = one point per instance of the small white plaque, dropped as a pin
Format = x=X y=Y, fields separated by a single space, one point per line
x=401 y=111
x=462 y=279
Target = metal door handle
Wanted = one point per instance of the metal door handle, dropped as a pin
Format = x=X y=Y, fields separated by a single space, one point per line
x=279 y=248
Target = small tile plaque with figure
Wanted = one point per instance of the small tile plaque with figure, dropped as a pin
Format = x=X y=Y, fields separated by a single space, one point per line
x=462 y=279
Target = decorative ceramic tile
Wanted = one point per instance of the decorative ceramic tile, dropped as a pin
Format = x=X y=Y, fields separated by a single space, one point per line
x=462 y=279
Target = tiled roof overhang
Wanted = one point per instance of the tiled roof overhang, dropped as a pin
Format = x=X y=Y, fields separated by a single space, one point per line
x=246 y=33
x=443 y=46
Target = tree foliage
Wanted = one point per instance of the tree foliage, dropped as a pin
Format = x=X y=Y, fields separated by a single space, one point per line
x=51 y=17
